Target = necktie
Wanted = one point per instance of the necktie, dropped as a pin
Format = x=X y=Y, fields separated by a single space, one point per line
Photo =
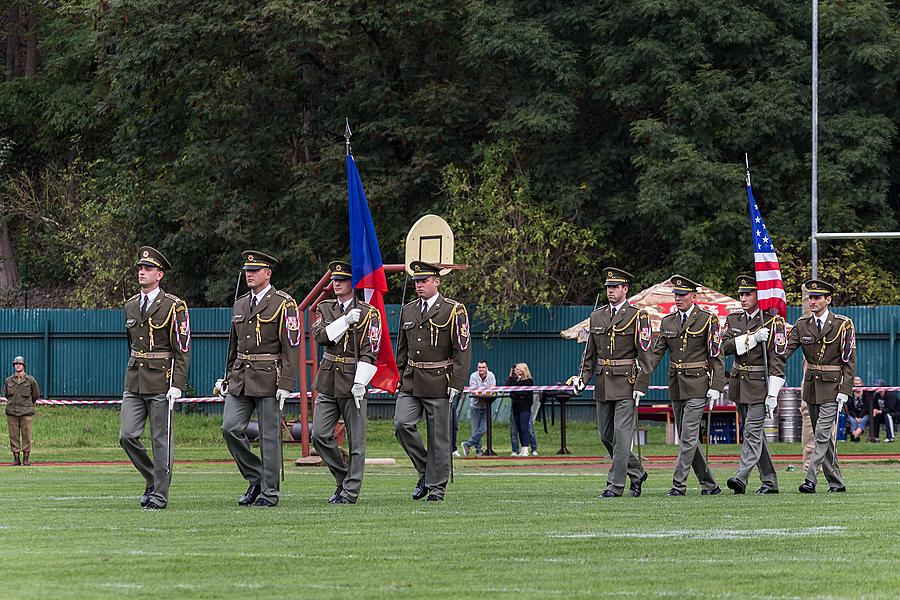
x=819 y=325
x=144 y=306
x=424 y=307
x=613 y=313
x=252 y=302
x=683 y=319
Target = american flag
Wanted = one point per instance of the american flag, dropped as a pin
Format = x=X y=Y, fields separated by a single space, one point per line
x=770 y=288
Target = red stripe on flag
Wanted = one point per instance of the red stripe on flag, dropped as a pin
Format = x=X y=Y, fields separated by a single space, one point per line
x=767 y=266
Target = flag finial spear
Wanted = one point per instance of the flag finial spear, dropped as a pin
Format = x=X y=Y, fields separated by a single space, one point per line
x=347 y=134
x=746 y=161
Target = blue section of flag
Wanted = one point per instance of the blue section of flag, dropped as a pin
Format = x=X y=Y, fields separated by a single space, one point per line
x=762 y=241
x=365 y=256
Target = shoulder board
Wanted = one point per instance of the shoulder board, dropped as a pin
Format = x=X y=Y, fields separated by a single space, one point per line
x=599 y=308
x=411 y=303
x=329 y=301
x=243 y=295
x=841 y=317
x=172 y=297
x=670 y=316
x=736 y=312
x=450 y=301
x=642 y=312
x=284 y=295
x=135 y=297
x=366 y=306
x=703 y=310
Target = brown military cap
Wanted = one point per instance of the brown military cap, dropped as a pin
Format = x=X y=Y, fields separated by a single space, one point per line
x=340 y=270
x=149 y=256
x=817 y=287
x=423 y=270
x=746 y=284
x=254 y=260
x=681 y=285
x=616 y=276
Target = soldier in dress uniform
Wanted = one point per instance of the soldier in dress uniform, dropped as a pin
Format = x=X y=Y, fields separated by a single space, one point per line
x=828 y=341
x=692 y=337
x=756 y=340
x=434 y=355
x=263 y=356
x=159 y=335
x=349 y=332
x=618 y=350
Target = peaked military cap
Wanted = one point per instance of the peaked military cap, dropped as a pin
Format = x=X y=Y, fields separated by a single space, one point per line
x=746 y=284
x=19 y=360
x=616 y=276
x=254 y=260
x=340 y=270
x=149 y=256
x=423 y=270
x=817 y=287
x=681 y=285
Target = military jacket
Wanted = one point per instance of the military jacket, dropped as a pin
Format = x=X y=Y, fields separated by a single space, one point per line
x=830 y=356
x=160 y=345
x=618 y=350
x=696 y=364
x=338 y=366
x=435 y=350
x=21 y=394
x=748 y=383
x=263 y=349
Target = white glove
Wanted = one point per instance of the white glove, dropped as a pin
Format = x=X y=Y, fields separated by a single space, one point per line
x=637 y=396
x=452 y=393
x=221 y=388
x=172 y=395
x=841 y=400
x=771 y=405
x=774 y=386
x=353 y=316
x=281 y=395
x=713 y=397
x=761 y=335
x=576 y=383
x=359 y=391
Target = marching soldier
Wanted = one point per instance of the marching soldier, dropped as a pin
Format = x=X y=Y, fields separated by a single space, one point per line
x=828 y=341
x=263 y=356
x=22 y=392
x=756 y=340
x=618 y=351
x=434 y=355
x=159 y=335
x=350 y=333
x=692 y=337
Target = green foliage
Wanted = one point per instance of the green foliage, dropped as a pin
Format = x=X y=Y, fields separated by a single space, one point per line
x=519 y=252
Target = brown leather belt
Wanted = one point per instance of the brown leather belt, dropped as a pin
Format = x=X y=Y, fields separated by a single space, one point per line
x=750 y=368
x=429 y=365
x=689 y=365
x=836 y=368
x=349 y=360
x=252 y=357
x=150 y=355
x=616 y=362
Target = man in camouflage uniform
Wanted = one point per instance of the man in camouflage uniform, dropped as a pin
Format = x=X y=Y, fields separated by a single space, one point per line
x=263 y=357
x=618 y=351
x=349 y=332
x=754 y=339
x=434 y=355
x=828 y=341
x=159 y=335
x=692 y=337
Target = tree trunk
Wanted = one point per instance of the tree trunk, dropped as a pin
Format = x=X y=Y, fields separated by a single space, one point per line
x=12 y=41
x=31 y=41
x=9 y=274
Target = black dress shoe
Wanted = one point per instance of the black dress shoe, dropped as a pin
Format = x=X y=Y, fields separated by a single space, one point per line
x=432 y=497
x=737 y=485
x=250 y=495
x=153 y=506
x=807 y=487
x=609 y=494
x=263 y=503
x=635 y=490
x=764 y=489
x=713 y=492
x=145 y=497
x=336 y=494
x=836 y=490
x=343 y=500
x=674 y=492
x=420 y=491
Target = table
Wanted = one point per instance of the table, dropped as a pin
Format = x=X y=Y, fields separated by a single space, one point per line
x=658 y=412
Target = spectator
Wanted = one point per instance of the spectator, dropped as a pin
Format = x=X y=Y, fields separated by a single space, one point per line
x=21 y=393
x=521 y=408
x=478 y=406
x=883 y=404
x=857 y=411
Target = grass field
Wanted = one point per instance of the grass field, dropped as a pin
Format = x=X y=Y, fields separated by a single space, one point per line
x=508 y=529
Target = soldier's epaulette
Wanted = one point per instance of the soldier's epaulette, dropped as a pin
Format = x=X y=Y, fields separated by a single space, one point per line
x=242 y=296
x=451 y=301
x=736 y=311
x=180 y=305
x=599 y=308
x=328 y=301
x=135 y=297
x=841 y=317
x=416 y=301
x=284 y=295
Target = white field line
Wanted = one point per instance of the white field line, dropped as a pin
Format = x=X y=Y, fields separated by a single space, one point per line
x=707 y=534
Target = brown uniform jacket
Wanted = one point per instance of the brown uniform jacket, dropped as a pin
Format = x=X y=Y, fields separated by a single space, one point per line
x=748 y=383
x=441 y=338
x=158 y=341
x=338 y=366
x=263 y=350
x=830 y=357
x=21 y=394
x=619 y=352
x=695 y=358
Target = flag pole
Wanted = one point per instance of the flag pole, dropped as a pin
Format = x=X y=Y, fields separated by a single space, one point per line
x=347 y=134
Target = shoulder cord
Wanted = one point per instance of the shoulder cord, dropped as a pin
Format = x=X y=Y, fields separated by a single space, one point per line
x=278 y=314
x=176 y=338
x=435 y=329
x=361 y=326
x=164 y=324
x=613 y=331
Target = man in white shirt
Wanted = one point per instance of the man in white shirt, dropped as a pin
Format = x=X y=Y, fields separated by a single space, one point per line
x=482 y=377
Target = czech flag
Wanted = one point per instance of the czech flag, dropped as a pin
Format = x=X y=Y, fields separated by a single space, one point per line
x=368 y=274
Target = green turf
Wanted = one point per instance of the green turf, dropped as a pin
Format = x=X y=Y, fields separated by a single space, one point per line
x=76 y=532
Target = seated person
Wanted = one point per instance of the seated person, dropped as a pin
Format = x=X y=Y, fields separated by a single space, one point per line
x=857 y=411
